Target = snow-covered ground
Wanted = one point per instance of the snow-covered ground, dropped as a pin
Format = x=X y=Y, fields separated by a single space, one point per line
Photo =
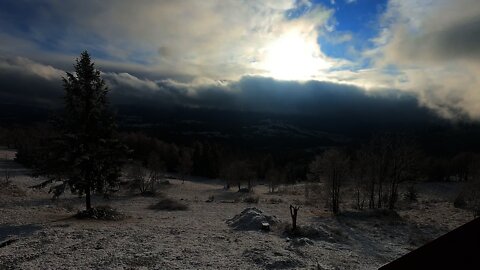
x=45 y=236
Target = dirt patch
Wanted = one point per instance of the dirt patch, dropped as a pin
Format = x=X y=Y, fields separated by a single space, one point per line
x=269 y=258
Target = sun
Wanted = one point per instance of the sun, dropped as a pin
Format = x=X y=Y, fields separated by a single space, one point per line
x=293 y=57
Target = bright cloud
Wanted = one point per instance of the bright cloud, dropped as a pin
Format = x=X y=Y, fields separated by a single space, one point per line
x=218 y=39
x=430 y=48
x=434 y=47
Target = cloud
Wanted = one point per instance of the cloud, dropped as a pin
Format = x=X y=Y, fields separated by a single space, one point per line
x=23 y=81
x=433 y=49
x=127 y=80
x=217 y=39
x=322 y=101
x=25 y=65
x=174 y=49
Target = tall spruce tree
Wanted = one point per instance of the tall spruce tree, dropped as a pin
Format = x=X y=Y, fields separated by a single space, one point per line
x=86 y=154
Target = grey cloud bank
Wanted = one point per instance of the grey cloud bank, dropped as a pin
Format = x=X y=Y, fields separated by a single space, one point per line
x=322 y=100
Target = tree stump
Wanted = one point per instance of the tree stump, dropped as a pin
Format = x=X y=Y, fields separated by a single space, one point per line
x=265 y=226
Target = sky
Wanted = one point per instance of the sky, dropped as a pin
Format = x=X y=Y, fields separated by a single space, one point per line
x=201 y=53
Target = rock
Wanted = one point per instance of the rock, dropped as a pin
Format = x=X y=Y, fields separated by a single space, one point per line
x=302 y=241
x=251 y=219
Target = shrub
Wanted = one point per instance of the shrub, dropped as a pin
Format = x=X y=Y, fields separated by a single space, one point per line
x=275 y=200
x=411 y=195
x=100 y=213
x=251 y=199
x=460 y=201
x=169 y=205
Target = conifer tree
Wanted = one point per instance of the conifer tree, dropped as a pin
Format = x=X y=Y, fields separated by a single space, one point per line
x=86 y=154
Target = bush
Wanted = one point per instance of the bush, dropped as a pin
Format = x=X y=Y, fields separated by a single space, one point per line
x=100 y=213
x=411 y=195
x=460 y=201
x=169 y=205
x=323 y=233
x=275 y=200
x=251 y=199
x=211 y=198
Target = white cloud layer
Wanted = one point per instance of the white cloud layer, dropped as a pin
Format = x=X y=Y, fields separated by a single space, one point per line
x=220 y=39
x=433 y=49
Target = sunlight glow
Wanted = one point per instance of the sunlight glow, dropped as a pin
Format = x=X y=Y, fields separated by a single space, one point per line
x=293 y=57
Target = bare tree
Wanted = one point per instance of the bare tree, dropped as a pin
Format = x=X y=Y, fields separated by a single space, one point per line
x=375 y=162
x=381 y=165
x=332 y=166
x=185 y=164
x=238 y=172
x=156 y=167
x=470 y=195
x=138 y=175
x=359 y=170
x=7 y=176
x=275 y=177
x=404 y=158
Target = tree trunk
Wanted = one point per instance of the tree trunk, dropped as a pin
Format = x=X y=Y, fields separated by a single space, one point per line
x=371 y=203
x=87 y=198
x=393 y=196
x=358 y=199
x=380 y=194
x=293 y=214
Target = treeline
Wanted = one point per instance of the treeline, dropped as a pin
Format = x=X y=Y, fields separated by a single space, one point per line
x=198 y=158
x=213 y=160
x=373 y=171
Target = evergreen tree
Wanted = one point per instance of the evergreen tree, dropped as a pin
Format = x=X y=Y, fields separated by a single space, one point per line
x=86 y=154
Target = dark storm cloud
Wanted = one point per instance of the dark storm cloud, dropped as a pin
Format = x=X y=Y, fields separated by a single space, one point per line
x=322 y=100
x=25 y=82
x=28 y=83
x=460 y=40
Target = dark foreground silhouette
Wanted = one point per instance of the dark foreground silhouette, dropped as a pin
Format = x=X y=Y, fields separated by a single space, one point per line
x=458 y=249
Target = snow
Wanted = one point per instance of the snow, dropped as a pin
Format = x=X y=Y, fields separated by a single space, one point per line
x=211 y=235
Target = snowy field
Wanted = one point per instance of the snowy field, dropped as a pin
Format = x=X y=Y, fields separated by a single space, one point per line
x=38 y=233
